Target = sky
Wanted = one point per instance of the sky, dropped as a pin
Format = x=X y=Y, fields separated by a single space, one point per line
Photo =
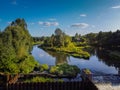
x=71 y=16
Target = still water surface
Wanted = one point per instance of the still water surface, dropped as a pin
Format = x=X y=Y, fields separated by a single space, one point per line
x=98 y=63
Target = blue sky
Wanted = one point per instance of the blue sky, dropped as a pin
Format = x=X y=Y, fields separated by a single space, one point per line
x=44 y=16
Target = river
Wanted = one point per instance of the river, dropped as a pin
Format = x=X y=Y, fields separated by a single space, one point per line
x=98 y=62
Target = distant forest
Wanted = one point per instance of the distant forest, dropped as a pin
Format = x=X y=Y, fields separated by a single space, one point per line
x=102 y=39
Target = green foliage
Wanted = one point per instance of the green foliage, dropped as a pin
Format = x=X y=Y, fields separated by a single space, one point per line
x=15 y=44
x=115 y=55
x=87 y=71
x=19 y=22
x=91 y=38
x=7 y=60
x=76 y=38
x=44 y=67
x=27 y=64
x=63 y=43
x=60 y=39
x=104 y=39
x=54 y=69
x=40 y=79
x=65 y=69
x=58 y=32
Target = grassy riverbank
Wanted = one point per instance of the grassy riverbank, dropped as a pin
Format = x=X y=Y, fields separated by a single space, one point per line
x=72 y=51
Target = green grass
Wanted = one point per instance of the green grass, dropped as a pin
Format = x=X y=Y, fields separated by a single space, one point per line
x=42 y=79
x=72 y=51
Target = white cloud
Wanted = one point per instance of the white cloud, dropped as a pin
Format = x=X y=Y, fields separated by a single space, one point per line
x=52 y=19
x=40 y=22
x=48 y=23
x=31 y=23
x=80 y=25
x=55 y=23
x=83 y=15
x=9 y=22
x=93 y=26
x=116 y=7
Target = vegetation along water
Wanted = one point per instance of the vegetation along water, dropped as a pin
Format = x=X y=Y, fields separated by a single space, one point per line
x=99 y=52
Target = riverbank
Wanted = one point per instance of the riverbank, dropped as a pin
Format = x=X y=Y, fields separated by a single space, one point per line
x=75 y=52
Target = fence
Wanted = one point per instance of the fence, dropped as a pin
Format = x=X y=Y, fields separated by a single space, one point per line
x=53 y=86
x=79 y=85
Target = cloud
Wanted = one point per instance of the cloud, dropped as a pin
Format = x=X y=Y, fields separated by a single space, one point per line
x=80 y=25
x=14 y=2
x=48 y=23
x=9 y=22
x=116 y=7
x=32 y=23
x=55 y=23
x=52 y=19
x=93 y=26
x=40 y=22
x=83 y=15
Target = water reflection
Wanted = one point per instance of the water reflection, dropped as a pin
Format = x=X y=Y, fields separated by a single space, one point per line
x=99 y=60
x=105 y=58
x=59 y=57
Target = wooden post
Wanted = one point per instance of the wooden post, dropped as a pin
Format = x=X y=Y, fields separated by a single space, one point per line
x=86 y=73
x=7 y=78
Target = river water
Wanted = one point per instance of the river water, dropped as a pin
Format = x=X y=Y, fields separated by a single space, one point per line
x=98 y=63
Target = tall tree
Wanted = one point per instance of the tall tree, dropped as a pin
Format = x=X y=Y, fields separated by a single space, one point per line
x=58 y=32
x=15 y=43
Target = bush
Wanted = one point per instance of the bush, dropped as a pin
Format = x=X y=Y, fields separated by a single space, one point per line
x=54 y=70
x=44 y=67
x=40 y=79
x=65 y=69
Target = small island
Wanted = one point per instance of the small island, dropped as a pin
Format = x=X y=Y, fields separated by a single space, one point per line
x=60 y=42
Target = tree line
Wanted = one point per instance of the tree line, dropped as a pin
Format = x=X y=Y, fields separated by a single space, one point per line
x=104 y=39
x=101 y=39
x=59 y=39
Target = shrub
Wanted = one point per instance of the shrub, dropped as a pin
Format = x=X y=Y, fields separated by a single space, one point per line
x=44 y=67
x=65 y=69
x=40 y=79
x=53 y=69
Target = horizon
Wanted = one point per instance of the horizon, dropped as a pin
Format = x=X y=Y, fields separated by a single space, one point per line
x=71 y=16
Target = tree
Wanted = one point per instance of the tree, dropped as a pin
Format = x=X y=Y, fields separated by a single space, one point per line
x=15 y=44
x=91 y=38
x=58 y=32
x=52 y=38
x=76 y=36
x=7 y=60
x=19 y=22
x=60 y=39
x=67 y=40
